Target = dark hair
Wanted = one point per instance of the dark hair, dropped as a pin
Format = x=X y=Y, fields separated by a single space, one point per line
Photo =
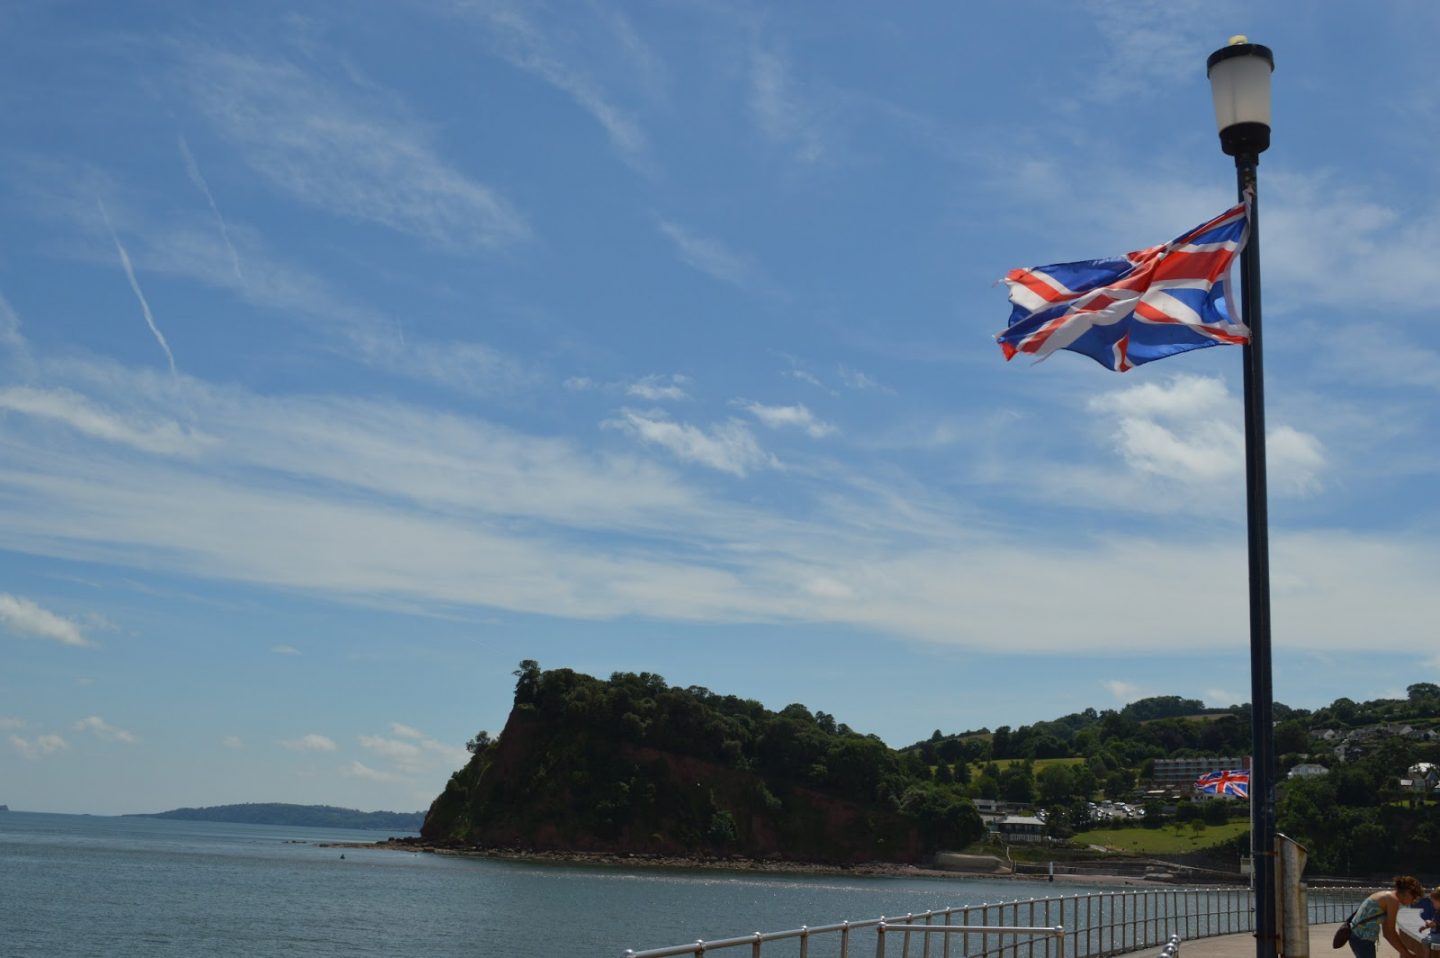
x=1409 y=884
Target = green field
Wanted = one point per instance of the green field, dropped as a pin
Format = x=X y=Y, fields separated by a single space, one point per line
x=1170 y=840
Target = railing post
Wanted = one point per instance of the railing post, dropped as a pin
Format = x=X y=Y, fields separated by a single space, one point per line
x=880 y=940
x=804 y=941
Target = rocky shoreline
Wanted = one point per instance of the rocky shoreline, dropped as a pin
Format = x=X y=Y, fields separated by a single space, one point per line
x=768 y=866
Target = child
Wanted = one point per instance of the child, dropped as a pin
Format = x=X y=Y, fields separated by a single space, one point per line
x=1430 y=911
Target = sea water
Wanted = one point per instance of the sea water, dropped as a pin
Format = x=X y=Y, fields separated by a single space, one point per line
x=91 y=885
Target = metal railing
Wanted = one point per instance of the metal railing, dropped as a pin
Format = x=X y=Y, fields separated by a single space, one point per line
x=964 y=931
x=1095 y=925
x=1172 y=948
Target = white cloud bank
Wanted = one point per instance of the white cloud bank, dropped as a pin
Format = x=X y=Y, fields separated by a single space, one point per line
x=382 y=503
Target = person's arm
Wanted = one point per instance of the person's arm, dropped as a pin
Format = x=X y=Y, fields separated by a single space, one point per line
x=1392 y=932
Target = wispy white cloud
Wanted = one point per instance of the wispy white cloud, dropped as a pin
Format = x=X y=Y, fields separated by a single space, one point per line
x=345 y=152
x=712 y=257
x=1329 y=241
x=9 y=723
x=192 y=169
x=855 y=379
x=233 y=742
x=284 y=650
x=1366 y=347
x=357 y=769
x=655 y=388
x=1219 y=698
x=469 y=368
x=40 y=746
x=797 y=416
x=404 y=753
x=1122 y=691
x=1188 y=429
x=25 y=617
x=805 y=376
x=413 y=752
x=312 y=742
x=12 y=340
x=135 y=287
x=104 y=731
x=728 y=446
x=163 y=436
x=1140 y=45
x=180 y=245
x=523 y=43
x=780 y=111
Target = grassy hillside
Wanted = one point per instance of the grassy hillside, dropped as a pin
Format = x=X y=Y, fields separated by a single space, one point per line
x=1171 y=840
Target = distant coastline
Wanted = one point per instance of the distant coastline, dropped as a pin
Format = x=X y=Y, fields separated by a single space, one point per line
x=281 y=813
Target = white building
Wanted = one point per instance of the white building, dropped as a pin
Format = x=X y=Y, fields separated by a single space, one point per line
x=1308 y=770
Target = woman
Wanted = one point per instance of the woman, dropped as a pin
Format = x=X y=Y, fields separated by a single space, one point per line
x=1377 y=914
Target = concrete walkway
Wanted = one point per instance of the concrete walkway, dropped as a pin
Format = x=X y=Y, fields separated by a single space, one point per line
x=1243 y=946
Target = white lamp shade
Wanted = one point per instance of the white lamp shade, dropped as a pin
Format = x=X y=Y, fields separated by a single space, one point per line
x=1240 y=86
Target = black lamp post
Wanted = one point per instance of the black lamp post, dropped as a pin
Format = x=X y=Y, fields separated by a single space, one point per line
x=1240 y=84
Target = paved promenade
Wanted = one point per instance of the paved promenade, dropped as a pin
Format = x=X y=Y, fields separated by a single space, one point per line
x=1243 y=946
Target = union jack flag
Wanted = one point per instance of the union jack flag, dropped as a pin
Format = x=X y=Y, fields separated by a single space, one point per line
x=1126 y=310
x=1235 y=781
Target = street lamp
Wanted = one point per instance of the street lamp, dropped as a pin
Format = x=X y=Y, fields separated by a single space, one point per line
x=1240 y=85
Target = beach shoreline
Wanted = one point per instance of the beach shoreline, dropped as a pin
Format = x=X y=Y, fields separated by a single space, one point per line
x=736 y=864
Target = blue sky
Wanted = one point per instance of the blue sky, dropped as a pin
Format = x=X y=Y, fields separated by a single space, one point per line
x=352 y=353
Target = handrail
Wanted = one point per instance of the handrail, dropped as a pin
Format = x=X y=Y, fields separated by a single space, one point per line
x=1058 y=932
x=1096 y=925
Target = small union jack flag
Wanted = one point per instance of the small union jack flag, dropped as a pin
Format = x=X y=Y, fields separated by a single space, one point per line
x=1126 y=310
x=1235 y=781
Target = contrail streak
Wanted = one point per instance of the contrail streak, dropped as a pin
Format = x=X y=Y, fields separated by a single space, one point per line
x=130 y=272
x=193 y=169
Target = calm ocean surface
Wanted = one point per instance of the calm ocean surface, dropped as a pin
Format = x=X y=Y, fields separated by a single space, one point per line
x=83 y=885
